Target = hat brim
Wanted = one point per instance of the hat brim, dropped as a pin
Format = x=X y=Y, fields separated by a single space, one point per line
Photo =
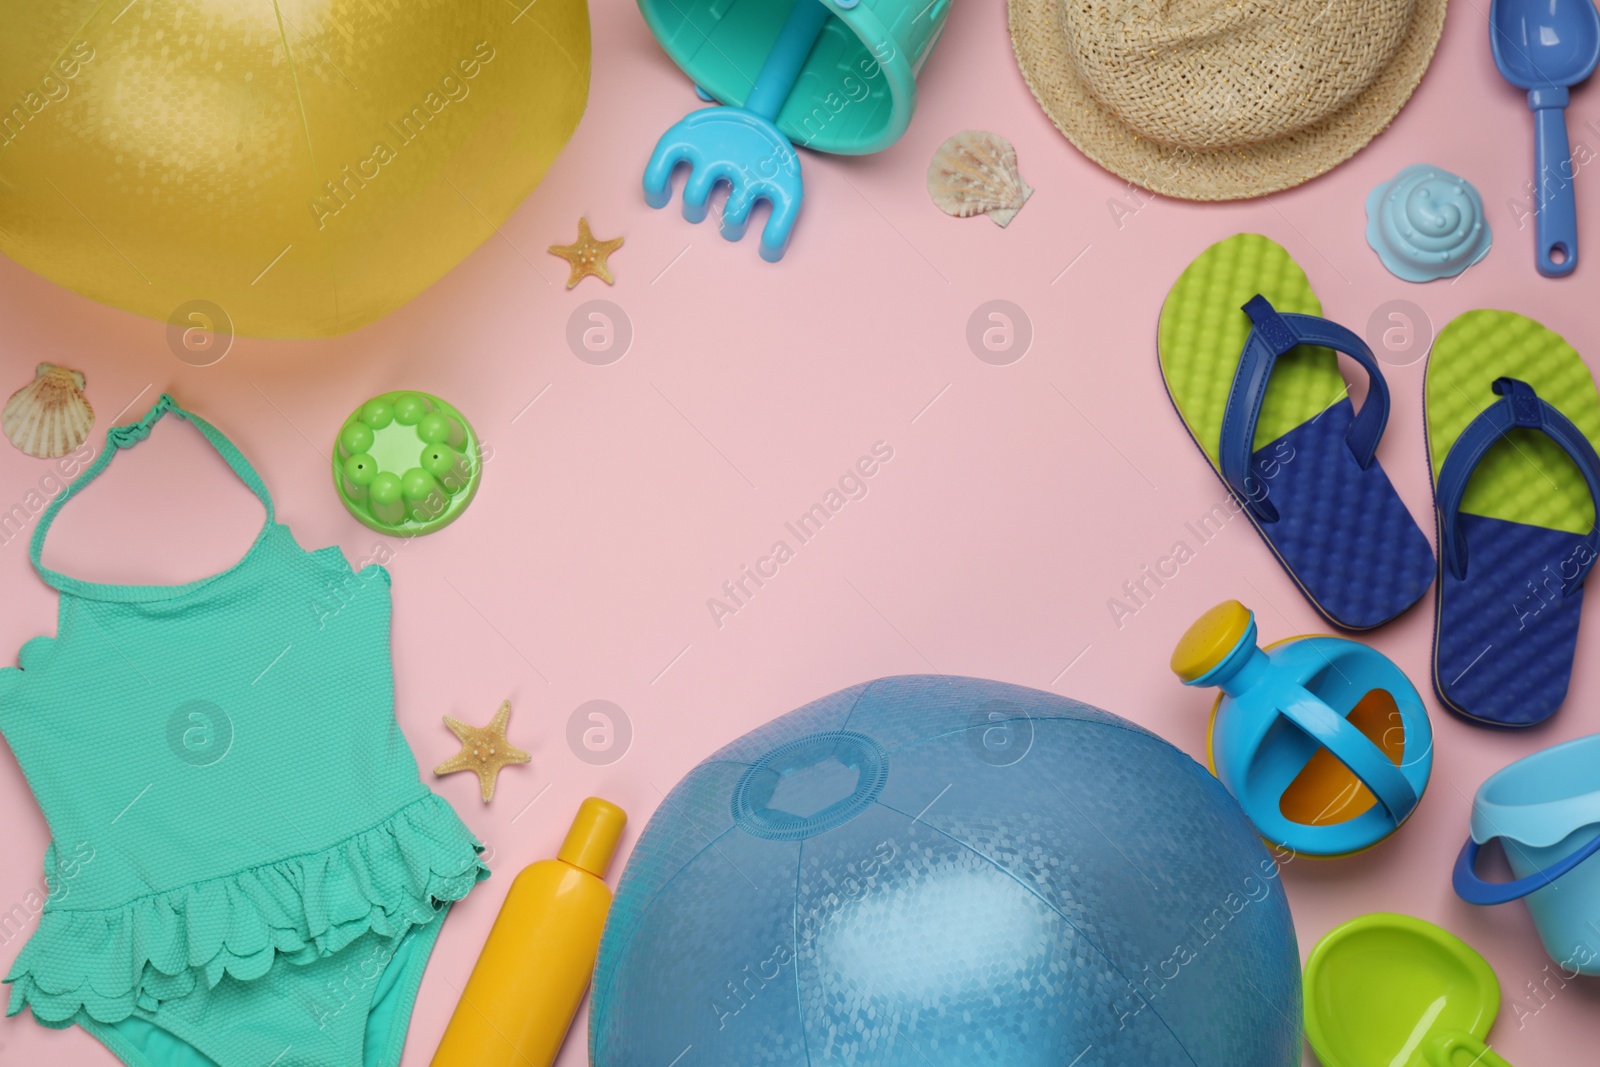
x=1240 y=173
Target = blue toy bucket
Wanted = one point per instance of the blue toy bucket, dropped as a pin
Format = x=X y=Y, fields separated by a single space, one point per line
x=1545 y=809
x=858 y=87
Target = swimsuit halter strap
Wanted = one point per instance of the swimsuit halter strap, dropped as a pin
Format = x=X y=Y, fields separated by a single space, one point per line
x=120 y=437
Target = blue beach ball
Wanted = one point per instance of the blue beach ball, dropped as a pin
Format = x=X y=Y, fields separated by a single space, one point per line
x=930 y=871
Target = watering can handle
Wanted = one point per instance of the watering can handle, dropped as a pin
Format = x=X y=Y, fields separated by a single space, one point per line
x=1474 y=890
x=1355 y=750
x=1453 y=1048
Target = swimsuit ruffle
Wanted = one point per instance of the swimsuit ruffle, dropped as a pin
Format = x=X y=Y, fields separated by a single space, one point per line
x=384 y=880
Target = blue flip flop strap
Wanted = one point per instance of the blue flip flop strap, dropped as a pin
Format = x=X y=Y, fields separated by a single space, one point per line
x=1518 y=407
x=1355 y=750
x=1474 y=890
x=1271 y=335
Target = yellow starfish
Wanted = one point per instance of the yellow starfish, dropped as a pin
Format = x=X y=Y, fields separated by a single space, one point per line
x=484 y=750
x=587 y=256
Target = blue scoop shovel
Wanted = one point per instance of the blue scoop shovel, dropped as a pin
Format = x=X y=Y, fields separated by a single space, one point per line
x=742 y=147
x=1546 y=47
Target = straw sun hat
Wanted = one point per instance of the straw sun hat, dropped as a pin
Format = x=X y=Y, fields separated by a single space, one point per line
x=1223 y=99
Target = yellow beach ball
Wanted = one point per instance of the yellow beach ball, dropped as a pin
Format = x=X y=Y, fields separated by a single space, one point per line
x=306 y=166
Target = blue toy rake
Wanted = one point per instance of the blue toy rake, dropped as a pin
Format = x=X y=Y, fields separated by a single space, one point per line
x=741 y=146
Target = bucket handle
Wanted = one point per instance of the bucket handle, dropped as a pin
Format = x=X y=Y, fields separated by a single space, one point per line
x=1474 y=890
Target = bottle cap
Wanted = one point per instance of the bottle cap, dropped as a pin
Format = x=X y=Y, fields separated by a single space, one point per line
x=1210 y=640
x=592 y=841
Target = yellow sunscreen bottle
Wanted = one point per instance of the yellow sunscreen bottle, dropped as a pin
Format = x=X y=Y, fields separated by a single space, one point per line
x=535 y=966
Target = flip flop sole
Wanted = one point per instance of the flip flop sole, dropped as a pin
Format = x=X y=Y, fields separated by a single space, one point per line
x=1505 y=636
x=1343 y=533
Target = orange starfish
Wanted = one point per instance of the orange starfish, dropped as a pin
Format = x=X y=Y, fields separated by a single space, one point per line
x=587 y=256
x=484 y=750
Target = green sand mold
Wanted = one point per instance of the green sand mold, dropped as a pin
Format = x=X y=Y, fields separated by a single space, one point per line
x=1526 y=477
x=1203 y=330
x=406 y=463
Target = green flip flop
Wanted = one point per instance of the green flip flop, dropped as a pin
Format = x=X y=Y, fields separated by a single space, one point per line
x=1252 y=370
x=1513 y=430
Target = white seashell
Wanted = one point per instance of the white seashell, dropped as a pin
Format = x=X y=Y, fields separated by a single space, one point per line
x=49 y=416
x=975 y=173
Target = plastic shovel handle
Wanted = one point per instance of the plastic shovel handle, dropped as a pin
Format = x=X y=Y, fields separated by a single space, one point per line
x=782 y=68
x=1556 y=224
x=1452 y=1048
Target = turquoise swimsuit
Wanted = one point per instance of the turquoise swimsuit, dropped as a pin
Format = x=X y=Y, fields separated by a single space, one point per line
x=245 y=868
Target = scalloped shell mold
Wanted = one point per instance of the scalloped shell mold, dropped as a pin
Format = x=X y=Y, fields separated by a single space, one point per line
x=1426 y=223
x=975 y=173
x=406 y=463
x=49 y=416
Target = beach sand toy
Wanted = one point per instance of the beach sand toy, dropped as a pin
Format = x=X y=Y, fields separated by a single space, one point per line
x=1545 y=809
x=1386 y=990
x=831 y=75
x=1324 y=741
x=406 y=463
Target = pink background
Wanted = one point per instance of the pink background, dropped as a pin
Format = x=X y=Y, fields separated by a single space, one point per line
x=620 y=497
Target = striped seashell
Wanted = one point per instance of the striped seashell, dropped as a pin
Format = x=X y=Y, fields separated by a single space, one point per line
x=49 y=416
x=975 y=173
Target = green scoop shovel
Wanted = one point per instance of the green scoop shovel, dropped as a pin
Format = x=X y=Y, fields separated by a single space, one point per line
x=1387 y=990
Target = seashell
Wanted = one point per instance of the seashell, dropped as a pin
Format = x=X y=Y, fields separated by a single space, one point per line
x=49 y=416
x=975 y=173
x=1426 y=223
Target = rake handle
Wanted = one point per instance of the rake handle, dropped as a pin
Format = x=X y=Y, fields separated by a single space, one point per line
x=782 y=68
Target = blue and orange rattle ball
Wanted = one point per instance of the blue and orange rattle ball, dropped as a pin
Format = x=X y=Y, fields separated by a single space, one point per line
x=406 y=463
x=931 y=872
